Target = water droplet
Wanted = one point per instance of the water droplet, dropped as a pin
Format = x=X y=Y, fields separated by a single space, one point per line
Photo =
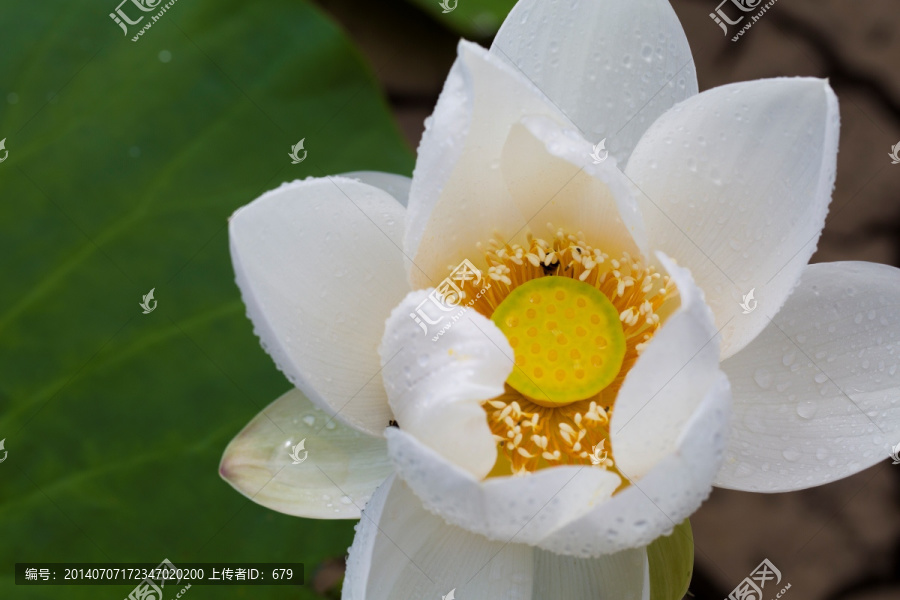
x=309 y=420
x=807 y=409
x=791 y=454
x=763 y=378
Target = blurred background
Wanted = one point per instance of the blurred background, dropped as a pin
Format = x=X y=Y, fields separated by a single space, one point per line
x=125 y=160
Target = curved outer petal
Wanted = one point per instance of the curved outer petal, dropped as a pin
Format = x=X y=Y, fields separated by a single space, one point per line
x=667 y=383
x=395 y=185
x=523 y=509
x=673 y=489
x=402 y=552
x=437 y=380
x=552 y=178
x=342 y=469
x=320 y=268
x=458 y=196
x=612 y=67
x=735 y=186
x=817 y=394
x=568 y=510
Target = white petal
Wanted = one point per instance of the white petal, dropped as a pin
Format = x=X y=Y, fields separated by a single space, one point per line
x=553 y=179
x=612 y=67
x=437 y=378
x=652 y=506
x=667 y=383
x=817 y=394
x=320 y=268
x=458 y=196
x=525 y=509
x=395 y=185
x=736 y=183
x=341 y=470
x=402 y=552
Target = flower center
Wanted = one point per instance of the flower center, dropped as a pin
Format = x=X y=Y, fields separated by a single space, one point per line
x=567 y=337
x=577 y=320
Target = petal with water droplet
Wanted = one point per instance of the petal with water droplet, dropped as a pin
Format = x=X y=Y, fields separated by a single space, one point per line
x=439 y=400
x=749 y=216
x=319 y=266
x=341 y=462
x=401 y=551
x=458 y=196
x=837 y=408
x=583 y=56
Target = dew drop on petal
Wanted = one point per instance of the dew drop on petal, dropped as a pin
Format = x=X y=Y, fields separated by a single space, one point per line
x=763 y=378
x=807 y=410
x=791 y=454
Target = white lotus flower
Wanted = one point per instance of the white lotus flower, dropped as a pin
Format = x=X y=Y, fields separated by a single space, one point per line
x=487 y=486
